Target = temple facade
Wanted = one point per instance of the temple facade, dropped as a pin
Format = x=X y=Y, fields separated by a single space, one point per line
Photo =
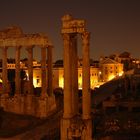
x=27 y=103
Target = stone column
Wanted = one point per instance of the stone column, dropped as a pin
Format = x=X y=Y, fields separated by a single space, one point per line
x=30 y=69
x=4 y=70
x=43 y=72
x=68 y=113
x=86 y=97
x=17 y=72
x=67 y=77
x=74 y=73
x=50 y=74
x=29 y=99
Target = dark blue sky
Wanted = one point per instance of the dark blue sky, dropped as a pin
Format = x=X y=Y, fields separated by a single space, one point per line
x=114 y=24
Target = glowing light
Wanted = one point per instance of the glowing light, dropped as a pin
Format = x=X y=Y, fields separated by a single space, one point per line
x=111 y=77
x=121 y=73
x=97 y=86
x=61 y=82
x=100 y=72
x=80 y=83
x=34 y=82
x=27 y=76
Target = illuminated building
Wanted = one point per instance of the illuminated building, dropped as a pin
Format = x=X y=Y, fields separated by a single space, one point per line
x=105 y=71
x=58 y=77
x=110 y=69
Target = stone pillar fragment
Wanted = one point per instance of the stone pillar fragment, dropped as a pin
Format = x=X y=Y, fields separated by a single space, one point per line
x=86 y=98
x=30 y=69
x=43 y=72
x=74 y=73
x=17 y=72
x=50 y=73
x=67 y=77
x=4 y=71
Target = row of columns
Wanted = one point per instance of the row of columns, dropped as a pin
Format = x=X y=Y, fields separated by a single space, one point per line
x=71 y=78
x=45 y=81
x=71 y=108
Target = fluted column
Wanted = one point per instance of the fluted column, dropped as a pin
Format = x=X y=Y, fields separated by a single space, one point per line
x=17 y=72
x=4 y=70
x=74 y=73
x=50 y=74
x=86 y=98
x=67 y=77
x=30 y=69
x=43 y=72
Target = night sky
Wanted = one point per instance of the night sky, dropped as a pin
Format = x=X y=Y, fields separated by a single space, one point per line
x=114 y=24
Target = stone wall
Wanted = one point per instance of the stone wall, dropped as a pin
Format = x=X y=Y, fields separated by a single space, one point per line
x=29 y=105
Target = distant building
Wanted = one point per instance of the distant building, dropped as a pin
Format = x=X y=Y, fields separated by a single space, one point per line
x=100 y=72
x=110 y=69
x=58 y=75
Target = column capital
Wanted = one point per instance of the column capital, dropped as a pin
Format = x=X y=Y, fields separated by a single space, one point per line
x=18 y=47
x=5 y=47
x=85 y=37
x=51 y=46
x=66 y=36
x=29 y=48
x=43 y=46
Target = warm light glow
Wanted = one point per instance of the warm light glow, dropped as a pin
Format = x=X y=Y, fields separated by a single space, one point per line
x=34 y=82
x=80 y=83
x=121 y=73
x=61 y=82
x=111 y=77
x=100 y=72
x=27 y=76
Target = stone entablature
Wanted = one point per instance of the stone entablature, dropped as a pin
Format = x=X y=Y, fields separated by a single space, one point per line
x=71 y=25
x=14 y=36
x=27 y=40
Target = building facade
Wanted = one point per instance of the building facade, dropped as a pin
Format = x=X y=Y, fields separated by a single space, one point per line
x=110 y=69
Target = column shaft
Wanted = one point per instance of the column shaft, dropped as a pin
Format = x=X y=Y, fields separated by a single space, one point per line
x=30 y=69
x=67 y=77
x=43 y=72
x=74 y=73
x=4 y=70
x=86 y=99
x=17 y=72
x=50 y=74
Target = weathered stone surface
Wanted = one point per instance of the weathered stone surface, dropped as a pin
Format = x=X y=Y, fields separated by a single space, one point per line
x=70 y=28
x=26 y=103
x=13 y=36
x=11 y=32
x=70 y=25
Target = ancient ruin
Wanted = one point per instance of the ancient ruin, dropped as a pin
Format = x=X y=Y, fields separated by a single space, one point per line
x=27 y=103
x=74 y=124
